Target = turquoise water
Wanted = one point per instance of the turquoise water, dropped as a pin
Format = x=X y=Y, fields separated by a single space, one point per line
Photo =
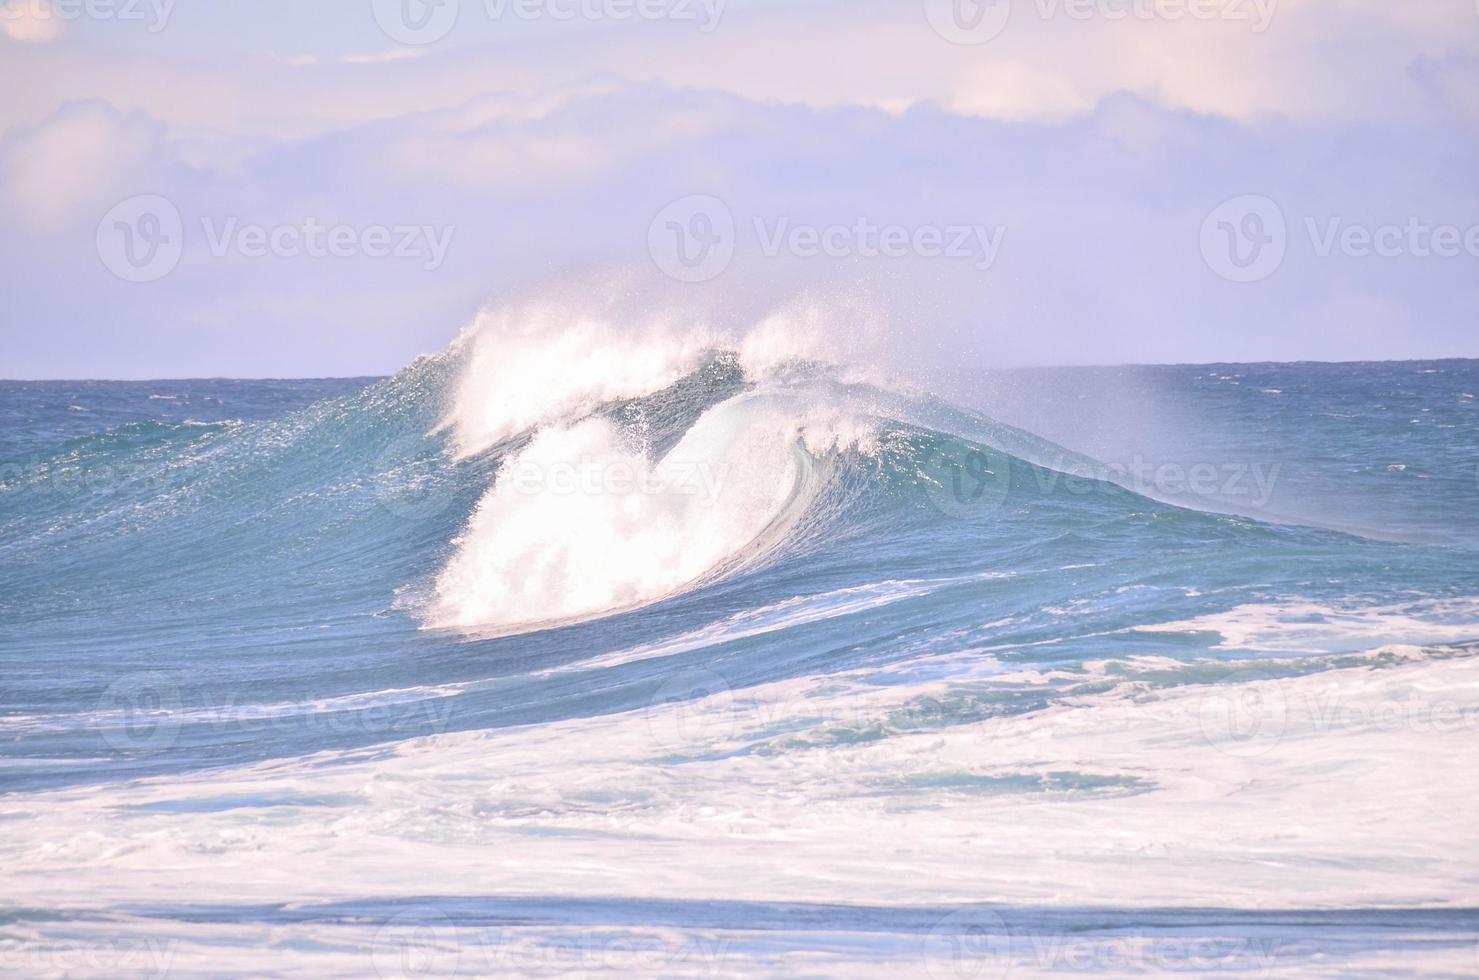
x=206 y=583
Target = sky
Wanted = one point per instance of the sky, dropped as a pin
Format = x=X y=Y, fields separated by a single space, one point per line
x=278 y=188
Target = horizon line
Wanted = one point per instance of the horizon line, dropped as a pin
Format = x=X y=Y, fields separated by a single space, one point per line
x=934 y=370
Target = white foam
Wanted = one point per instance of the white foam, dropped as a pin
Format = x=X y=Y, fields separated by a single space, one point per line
x=222 y=708
x=540 y=362
x=1347 y=788
x=552 y=359
x=787 y=614
x=581 y=523
x=1305 y=627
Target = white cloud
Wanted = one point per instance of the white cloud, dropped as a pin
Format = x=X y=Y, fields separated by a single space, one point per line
x=73 y=162
x=511 y=145
x=1013 y=91
x=1316 y=60
x=382 y=57
x=1100 y=260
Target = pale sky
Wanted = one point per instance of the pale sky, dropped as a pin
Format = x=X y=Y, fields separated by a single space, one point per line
x=280 y=188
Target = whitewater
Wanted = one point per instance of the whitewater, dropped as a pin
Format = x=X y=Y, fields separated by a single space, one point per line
x=647 y=644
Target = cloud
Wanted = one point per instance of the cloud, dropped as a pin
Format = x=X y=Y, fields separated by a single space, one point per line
x=1312 y=60
x=1101 y=211
x=508 y=146
x=72 y=162
x=382 y=57
x=369 y=58
x=1015 y=92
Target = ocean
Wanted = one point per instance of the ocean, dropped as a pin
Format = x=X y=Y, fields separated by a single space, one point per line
x=571 y=656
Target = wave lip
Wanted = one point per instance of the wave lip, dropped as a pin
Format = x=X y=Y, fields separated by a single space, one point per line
x=582 y=523
x=539 y=364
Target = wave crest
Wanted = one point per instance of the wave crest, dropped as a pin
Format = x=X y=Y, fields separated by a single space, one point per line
x=583 y=522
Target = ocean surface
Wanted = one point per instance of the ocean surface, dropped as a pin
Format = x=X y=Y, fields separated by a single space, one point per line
x=553 y=656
